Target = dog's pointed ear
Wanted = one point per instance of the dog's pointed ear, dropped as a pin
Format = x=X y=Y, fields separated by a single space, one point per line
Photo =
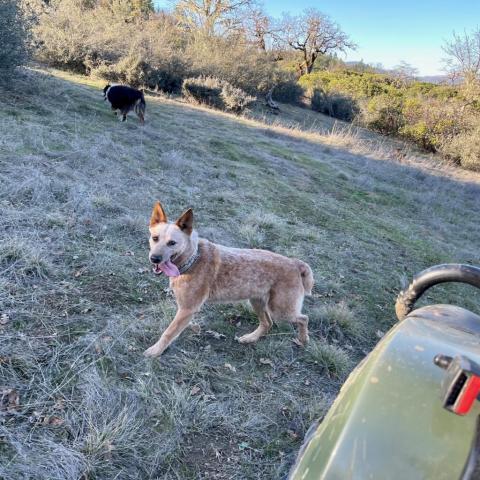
x=185 y=221
x=158 y=215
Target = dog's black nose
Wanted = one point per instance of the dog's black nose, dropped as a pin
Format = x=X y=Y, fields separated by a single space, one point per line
x=155 y=258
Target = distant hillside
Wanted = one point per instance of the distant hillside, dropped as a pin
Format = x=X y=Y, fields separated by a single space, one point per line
x=437 y=79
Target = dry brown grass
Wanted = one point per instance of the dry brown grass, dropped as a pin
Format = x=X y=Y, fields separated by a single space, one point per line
x=76 y=190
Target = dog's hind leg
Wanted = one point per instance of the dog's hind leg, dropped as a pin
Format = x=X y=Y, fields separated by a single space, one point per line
x=301 y=321
x=124 y=112
x=140 y=111
x=178 y=325
x=286 y=304
x=260 y=308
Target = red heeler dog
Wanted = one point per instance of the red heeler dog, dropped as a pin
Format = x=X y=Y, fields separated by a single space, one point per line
x=201 y=271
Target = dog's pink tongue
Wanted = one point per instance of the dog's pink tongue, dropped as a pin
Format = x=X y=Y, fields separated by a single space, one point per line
x=169 y=269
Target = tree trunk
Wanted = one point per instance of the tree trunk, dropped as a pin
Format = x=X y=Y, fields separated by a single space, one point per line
x=310 y=62
x=301 y=69
x=261 y=43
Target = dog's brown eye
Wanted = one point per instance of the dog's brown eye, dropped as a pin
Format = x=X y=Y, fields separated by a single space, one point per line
x=155 y=239
x=171 y=243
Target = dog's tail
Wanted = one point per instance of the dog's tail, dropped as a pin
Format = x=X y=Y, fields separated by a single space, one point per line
x=307 y=276
x=140 y=108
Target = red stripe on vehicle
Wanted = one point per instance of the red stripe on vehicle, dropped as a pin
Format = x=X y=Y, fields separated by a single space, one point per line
x=468 y=396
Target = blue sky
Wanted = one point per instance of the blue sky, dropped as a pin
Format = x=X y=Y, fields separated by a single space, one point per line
x=388 y=31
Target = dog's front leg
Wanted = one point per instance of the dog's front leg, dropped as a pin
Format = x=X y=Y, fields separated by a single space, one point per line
x=179 y=323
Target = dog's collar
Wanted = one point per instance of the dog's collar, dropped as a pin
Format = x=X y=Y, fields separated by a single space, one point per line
x=186 y=266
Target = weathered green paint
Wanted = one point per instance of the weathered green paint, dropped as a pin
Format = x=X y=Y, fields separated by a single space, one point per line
x=388 y=421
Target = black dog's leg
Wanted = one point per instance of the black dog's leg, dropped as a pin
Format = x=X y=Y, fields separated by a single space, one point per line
x=124 y=112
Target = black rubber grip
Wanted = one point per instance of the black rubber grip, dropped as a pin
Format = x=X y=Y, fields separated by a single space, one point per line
x=450 y=272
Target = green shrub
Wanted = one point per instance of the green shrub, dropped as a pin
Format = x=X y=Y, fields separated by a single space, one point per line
x=164 y=80
x=383 y=113
x=429 y=122
x=355 y=84
x=288 y=91
x=204 y=90
x=334 y=105
x=319 y=102
x=216 y=93
x=431 y=90
x=13 y=37
x=464 y=149
x=419 y=134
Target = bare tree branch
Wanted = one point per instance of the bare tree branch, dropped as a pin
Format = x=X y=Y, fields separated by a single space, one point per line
x=404 y=73
x=464 y=55
x=463 y=63
x=210 y=16
x=312 y=33
x=257 y=26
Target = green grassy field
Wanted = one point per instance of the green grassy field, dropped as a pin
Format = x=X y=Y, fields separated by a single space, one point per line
x=79 y=304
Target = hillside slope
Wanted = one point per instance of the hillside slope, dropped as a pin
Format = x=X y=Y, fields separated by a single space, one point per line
x=79 y=304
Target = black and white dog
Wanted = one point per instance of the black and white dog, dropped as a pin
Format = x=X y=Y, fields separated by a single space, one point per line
x=125 y=99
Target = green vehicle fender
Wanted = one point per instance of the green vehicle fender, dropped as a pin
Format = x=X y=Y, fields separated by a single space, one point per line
x=388 y=421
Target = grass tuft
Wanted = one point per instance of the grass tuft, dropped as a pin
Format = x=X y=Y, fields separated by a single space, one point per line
x=330 y=358
x=23 y=260
x=339 y=318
